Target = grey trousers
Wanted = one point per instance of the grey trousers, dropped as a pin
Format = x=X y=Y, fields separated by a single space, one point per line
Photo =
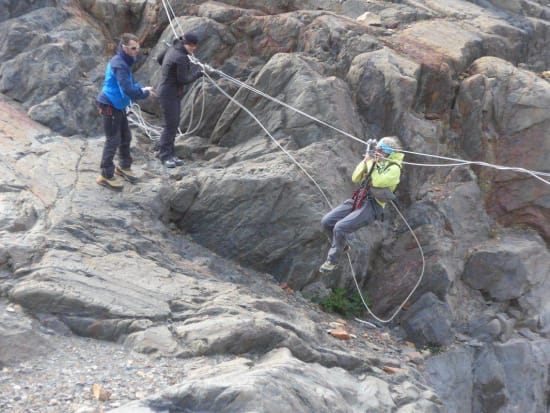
x=343 y=221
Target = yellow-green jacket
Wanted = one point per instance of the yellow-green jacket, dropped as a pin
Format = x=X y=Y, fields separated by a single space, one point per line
x=386 y=174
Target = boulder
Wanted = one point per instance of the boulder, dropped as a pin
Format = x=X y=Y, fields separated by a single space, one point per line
x=61 y=65
x=428 y=322
x=503 y=117
x=513 y=268
x=384 y=86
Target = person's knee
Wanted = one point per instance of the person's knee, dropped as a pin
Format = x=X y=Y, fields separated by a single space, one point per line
x=342 y=227
x=326 y=222
x=337 y=228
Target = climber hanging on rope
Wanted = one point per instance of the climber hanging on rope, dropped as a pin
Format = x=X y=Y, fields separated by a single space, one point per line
x=377 y=177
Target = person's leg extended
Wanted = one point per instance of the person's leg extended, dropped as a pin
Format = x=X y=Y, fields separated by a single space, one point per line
x=349 y=224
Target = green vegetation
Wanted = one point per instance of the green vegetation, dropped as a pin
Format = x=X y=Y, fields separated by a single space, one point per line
x=435 y=348
x=344 y=302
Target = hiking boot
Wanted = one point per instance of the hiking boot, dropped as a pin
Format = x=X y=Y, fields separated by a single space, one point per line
x=168 y=163
x=127 y=174
x=177 y=161
x=327 y=266
x=111 y=183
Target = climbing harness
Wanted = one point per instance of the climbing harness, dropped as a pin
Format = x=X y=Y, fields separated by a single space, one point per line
x=455 y=162
x=362 y=192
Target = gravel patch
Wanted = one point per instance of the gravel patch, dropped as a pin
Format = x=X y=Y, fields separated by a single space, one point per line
x=62 y=380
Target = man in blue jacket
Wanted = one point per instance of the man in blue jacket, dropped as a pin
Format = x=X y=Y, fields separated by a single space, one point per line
x=117 y=93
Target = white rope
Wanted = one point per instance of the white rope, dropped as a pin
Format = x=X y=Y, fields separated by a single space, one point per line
x=535 y=174
x=137 y=119
x=246 y=86
x=270 y=136
x=387 y=320
x=166 y=6
x=154 y=132
x=435 y=165
x=190 y=130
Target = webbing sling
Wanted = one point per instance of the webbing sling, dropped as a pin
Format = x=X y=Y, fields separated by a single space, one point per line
x=362 y=192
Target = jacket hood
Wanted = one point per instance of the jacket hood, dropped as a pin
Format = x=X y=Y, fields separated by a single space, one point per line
x=178 y=45
x=127 y=58
x=396 y=157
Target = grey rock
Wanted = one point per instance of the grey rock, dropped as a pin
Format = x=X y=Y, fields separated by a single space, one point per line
x=276 y=369
x=19 y=341
x=511 y=268
x=157 y=340
x=450 y=373
x=428 y=322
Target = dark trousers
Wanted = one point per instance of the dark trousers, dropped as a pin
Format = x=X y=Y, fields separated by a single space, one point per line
x=117 y=137
x=171 y=108
x=343 y=220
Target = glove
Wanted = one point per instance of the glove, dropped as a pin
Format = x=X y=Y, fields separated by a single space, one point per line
x=198 y=75
x=149 y=90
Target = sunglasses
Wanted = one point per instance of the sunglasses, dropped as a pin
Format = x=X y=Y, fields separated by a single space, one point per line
x=132 y=47
x=384 y=149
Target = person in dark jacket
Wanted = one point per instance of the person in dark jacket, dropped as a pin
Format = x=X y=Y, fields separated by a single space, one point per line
x=176 y=73
x=117 y=93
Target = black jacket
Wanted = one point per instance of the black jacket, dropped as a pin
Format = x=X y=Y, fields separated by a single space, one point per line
x=177 y=71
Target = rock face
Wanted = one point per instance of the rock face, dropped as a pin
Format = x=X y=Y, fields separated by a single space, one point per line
x=187 y=264
x=517 y=129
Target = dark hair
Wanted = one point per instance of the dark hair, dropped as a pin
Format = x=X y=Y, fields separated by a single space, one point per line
x=125 y=38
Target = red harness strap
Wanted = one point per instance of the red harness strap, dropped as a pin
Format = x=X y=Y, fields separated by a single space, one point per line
x=358 y=197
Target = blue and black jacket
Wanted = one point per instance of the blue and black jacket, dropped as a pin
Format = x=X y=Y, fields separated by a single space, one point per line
x=119 y=88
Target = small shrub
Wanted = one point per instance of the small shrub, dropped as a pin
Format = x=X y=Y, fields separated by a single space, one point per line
x=344 y=302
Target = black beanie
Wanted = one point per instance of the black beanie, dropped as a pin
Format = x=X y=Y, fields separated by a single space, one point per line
x=190 y=38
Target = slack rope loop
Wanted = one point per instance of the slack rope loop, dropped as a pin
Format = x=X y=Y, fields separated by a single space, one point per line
x=154 y=132
x=387 y=320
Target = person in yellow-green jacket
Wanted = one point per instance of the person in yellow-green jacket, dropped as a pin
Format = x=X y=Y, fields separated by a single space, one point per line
x=378 y=177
